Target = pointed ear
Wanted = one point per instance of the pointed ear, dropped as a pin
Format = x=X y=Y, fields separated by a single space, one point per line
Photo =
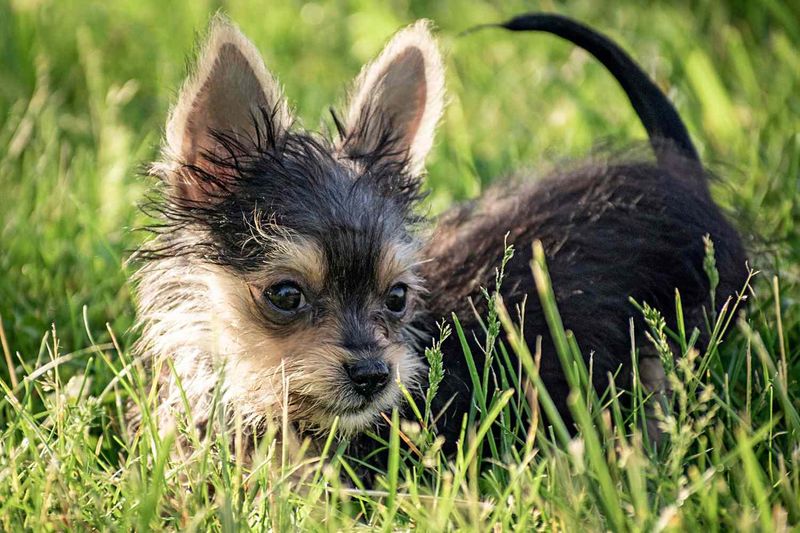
x=228 y=94
x=397 y=100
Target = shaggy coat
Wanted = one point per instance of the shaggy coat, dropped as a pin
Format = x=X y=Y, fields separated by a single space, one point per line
x=283 y=260
x=613 y=229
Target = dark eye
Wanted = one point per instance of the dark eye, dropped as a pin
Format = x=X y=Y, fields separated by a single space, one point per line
x=396 y=298
x=285 y=296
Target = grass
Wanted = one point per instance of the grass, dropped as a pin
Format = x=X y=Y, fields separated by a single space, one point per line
x=84 y=91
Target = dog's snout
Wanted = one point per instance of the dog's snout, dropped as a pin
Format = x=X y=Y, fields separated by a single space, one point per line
x=368 y=376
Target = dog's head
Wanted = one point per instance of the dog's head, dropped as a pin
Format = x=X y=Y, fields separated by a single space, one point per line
x=300 y=253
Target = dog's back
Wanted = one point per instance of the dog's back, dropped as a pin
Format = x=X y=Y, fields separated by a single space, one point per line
x=612 y=230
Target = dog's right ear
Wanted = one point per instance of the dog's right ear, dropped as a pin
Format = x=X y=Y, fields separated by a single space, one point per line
x=227 y=96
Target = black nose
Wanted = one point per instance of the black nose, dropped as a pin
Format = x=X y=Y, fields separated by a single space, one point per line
x=369 y=376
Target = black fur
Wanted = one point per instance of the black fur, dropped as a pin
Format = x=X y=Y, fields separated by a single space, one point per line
x=290 y=180
x=610 y=232
x=281 y=181
x=612 y=229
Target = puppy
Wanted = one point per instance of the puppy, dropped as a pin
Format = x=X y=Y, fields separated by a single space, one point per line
x=292 y=272
x=285 y=270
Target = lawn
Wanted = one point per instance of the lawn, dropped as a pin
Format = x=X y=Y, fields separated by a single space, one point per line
x=84 y=92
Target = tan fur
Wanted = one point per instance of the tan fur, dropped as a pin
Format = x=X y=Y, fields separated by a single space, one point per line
x=396 y=266
x=293 y=257
x=212 y=321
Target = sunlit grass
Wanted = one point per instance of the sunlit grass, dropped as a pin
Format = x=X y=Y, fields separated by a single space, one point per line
x=84 y=91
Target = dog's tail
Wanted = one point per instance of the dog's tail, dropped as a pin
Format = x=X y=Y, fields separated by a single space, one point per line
x=662 y=122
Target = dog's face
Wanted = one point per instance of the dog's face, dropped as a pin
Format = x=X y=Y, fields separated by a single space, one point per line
x=302 y=250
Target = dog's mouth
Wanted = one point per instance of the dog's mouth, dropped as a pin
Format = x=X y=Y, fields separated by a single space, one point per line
x=359 y=405
x=353 y=409
x=355 y=413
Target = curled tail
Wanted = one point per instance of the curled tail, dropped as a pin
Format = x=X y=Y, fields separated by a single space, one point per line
x=657 y=114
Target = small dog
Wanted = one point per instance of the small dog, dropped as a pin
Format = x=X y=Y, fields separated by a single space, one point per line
x=297 y=269
x=285 y=263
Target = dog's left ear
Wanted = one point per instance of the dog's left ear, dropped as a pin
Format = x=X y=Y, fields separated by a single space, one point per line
x=397 y=101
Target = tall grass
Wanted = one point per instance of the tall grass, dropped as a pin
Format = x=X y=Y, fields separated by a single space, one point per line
x=84 y=90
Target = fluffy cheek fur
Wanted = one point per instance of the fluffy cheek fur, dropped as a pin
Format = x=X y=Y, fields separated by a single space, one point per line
x=302 y=373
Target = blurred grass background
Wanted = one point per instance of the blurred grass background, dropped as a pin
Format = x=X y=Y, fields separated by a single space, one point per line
x=85 y=88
